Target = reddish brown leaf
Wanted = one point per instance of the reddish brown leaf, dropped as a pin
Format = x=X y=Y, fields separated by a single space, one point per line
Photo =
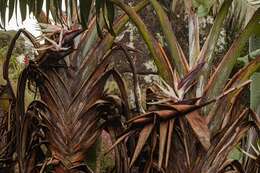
x=120 y=139
x=191 y=76
x=163 y=140
x=143 y=136
x=169 y=141
x=200 y=128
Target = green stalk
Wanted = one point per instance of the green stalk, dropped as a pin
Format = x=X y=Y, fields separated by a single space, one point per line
x=208 y=48
x=177 y=56
x=149 y=40
x=255 y=93
x=254 y=43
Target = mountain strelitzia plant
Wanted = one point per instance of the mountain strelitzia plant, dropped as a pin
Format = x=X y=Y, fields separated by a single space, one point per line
x=174 y=134
x=68 y=75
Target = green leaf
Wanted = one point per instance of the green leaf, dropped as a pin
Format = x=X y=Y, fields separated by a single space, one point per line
x=208 y=47
x=221 y=75
x=244 y=74
x=255 y=93
x=47 y=9
x=104 y=14
x=99 y=4
x=108 y=39
x=110 y=15
x=202 y=11
x=11 y=8
x=203 y=6
x=177 y=58
x=85 y=6
x=3 y=3
x=150 y=41
x=23 y=9
x=72 y=10
x=31 y=4
x=110 y=12
x=207 y=51
x=39 y=7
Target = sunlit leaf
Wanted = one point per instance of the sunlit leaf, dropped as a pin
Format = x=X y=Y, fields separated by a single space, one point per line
x=85 y=7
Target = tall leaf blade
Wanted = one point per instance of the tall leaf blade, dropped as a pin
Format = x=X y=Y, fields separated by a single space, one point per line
x=200 y=128
x=150 y=41
x=23 y=9
x=177 y=58
x=220 y=76
x=143 y=136
x=194 y=39
x=3 y=3
x=47 y=9
x=110 y=16
x=243 y=75
x=110 y=12
x=11 y=8
x=85 y=6
x=208 y=48
x=169 y=142
x=54 y=10
x=39 y=5
x=163 y=141
x=240 y=77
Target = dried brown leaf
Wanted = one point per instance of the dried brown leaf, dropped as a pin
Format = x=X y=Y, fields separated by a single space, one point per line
x=200 y=128
x=163 y=141
x=143 y=136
